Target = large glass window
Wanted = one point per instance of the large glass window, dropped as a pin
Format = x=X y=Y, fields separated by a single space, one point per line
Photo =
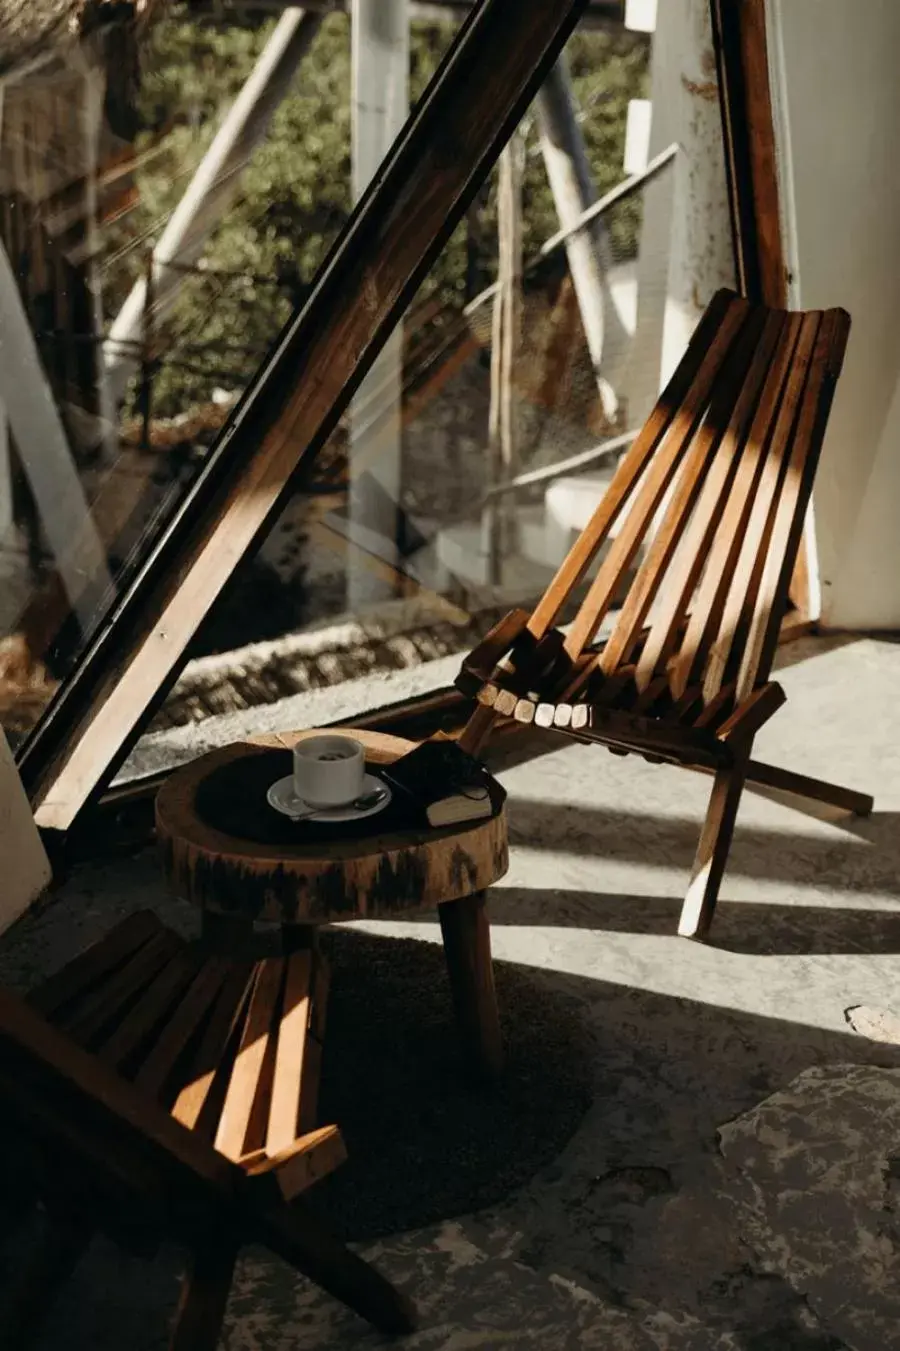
x=157 y=233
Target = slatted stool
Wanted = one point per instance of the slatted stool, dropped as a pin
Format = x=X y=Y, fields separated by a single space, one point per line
x=230 y=1050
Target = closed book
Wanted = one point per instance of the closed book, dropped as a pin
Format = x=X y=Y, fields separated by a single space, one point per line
x=448 y=785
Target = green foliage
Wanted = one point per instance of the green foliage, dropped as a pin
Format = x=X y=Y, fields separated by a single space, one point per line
x=295 y=193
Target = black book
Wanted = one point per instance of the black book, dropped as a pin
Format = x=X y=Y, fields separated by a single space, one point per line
x=448 y=784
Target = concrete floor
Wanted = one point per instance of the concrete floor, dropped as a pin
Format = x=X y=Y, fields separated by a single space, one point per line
x=683 y=1214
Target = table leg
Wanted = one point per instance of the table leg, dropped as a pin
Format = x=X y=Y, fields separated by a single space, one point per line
x=239 y=937
x=467 y=947
x=228 y=935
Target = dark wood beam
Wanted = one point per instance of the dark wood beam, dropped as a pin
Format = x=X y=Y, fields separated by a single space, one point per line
x=745 y=96
x=482 y=89
x=739 y=34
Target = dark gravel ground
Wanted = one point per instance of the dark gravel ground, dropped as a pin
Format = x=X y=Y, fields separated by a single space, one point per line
x=425 y=1142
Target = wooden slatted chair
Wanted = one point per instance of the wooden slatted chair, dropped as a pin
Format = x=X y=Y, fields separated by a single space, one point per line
x=716 y=487
x=152 y=1091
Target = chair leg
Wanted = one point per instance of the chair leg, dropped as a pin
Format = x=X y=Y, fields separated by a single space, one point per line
x=204 y=1297
x=46 y=1266
x=814 y=790
x=712 y=851
x=467 y=947
x=300 y=1239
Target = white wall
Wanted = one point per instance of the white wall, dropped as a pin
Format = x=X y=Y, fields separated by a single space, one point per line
x=836 y=97
x=26 y=870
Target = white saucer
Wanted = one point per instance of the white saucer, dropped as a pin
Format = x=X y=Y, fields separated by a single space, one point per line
x=282 y=797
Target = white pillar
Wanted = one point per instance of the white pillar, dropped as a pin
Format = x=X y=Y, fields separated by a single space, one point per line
x=701 y=258
x=588 y=251
x=26 y=868
x=836 y=104
x=43 y=451
x=379 y=108
x=685 y=243
x=213 y=186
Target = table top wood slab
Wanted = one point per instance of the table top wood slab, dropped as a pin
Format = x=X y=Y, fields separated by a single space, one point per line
x=320 y=877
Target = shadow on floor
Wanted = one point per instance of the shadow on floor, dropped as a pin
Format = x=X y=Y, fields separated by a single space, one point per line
x=864 y=856
x=740 y=926
x=613 y=1099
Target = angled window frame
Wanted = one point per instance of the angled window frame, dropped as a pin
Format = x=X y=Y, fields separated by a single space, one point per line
x=495 y=66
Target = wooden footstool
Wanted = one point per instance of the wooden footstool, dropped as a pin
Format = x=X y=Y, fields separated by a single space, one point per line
x=155 y=1091
x=264 y=883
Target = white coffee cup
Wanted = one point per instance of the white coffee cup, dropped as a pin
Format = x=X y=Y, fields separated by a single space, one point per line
x=329 y=771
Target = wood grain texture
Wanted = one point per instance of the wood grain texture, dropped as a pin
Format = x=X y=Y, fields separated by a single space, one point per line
x=717 y=586
x=686 y=382
x=307 y=1159
x=744 y=582
x=104 y=1005
x=708 y=456
x=186 y=1019
x=380 y=875
x=95 y=963
x=95 y=1147
x=197 y=1086
x=787 y=781
x=135 y=1031
x=467 y=947
x=251 y=1075
x=293 y=1026
x=796 y=491
x=751 y=161
x=650 y=490
x=682 y=578
x=712 y=852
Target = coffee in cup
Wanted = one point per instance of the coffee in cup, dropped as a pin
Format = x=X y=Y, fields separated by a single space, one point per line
x=329 y=771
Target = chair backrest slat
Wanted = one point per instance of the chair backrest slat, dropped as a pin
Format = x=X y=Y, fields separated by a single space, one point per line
x=195 y=1105
x=787 y=527
x=95 y=1120
x=735 y=622
x=105 y=1006
x=242 y=1125
x=653 y=485
x=724 y=426
x=132 y=1033
x=80 y=976
x=287 y=1080
x=715 y=489
x=713 y=588
x=684 y=574
x=158 y=1066
x=686 y=391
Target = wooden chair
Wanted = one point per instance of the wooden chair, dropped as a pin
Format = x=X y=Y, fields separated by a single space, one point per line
x=151 y=1091
x=716 y=488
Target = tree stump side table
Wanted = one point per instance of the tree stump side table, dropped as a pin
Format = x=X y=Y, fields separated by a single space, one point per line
x=251 y=872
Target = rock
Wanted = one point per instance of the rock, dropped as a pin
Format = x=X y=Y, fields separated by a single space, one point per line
x=819 y=1210
x=876 y=1024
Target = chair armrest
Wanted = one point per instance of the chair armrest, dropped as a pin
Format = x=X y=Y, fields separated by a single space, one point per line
x=745 y=721
x=310 y=1158
x=479 y=665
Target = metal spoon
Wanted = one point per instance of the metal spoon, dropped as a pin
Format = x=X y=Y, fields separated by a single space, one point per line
x=358 y=804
